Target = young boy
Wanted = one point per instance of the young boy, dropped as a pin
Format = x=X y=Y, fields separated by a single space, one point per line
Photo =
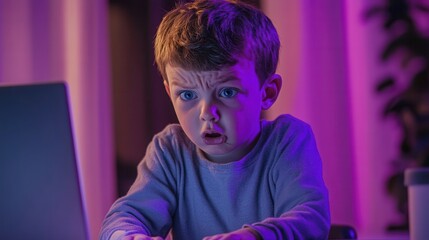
x=223 y=173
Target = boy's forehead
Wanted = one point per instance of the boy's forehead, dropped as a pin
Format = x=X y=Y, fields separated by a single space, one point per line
x=178 y=74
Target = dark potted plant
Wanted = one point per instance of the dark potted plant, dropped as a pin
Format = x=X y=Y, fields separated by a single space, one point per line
x=408 y=103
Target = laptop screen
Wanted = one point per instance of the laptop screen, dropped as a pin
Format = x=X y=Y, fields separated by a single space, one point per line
x=40 y=196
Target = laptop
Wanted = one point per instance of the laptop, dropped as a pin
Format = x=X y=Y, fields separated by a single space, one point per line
x=40 y=194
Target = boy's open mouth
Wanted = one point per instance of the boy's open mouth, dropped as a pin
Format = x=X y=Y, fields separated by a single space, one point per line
x=213 y=138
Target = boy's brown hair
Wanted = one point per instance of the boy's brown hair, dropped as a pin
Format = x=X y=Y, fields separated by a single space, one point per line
x=208 y=35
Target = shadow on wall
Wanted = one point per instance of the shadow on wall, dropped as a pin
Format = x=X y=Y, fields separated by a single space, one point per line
x=141 y=106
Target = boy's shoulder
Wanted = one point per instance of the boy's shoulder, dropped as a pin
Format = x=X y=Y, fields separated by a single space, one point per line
x=286 y=128
x=287 y=122
x=172 y=130
x=172 y=134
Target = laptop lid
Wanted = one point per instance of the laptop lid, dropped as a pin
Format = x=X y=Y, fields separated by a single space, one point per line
x=40 y=195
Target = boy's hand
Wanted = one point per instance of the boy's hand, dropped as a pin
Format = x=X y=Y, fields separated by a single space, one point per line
x=240 y=234
x=138 y=236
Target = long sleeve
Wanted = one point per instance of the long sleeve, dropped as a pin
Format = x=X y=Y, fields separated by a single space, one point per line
x=150 y=202
x=301 y=208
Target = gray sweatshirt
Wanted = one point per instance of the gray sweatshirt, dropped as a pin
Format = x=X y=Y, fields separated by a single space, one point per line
x=277 y=188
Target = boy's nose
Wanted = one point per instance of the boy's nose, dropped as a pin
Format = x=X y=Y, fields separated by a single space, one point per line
x=209 y=112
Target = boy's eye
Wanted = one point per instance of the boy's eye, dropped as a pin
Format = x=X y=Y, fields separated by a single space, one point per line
x=187 y=95
x=228 y=92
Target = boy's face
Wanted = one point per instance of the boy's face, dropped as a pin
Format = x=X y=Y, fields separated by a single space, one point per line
x=219 y=110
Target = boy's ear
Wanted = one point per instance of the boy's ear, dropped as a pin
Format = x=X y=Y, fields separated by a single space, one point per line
x=270 y=91
x=167 y=87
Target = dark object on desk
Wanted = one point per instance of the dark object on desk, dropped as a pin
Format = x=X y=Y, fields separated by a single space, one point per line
x=338 y=231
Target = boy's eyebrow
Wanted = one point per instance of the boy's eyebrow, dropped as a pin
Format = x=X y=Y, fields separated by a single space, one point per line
x=180 y=84
x=229 y=79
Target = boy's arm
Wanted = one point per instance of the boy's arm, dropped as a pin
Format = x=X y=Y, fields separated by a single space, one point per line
x=300 y=195
x=243 y=233
x=150 y=202
x=122 y=235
